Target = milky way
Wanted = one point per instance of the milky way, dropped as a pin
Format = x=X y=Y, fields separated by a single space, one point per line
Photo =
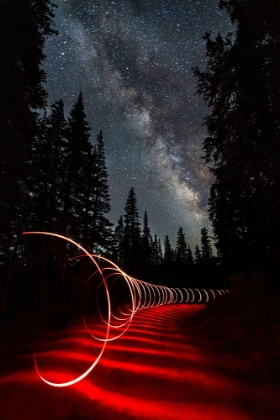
x=133 y=61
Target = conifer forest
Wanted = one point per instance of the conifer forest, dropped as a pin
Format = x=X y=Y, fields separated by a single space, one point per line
x=115 y=316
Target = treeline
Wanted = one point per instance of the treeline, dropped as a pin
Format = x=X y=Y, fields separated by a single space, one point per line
x=66 y=192
x=64 y=189
x=52 y=178
x=67 y=185
x=241 y=87
x=135 y=246
x=24 y=26
x=142 y=254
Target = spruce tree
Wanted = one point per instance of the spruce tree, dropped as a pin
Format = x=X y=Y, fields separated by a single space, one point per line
x=46 y=173
x=197 y=255
x=189 y=256
x=156 y=254
x=146 y=240
x=160 y=253
x=206 y=249
x=119 y=242
x=101 y=232
x=168 y=254
x=78 y=151
x=241 y=86
x=87 y=201
x=24 y=25
x=181 y=247
x=132 y=235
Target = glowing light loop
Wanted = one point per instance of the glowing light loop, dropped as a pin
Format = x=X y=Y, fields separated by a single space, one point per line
x=142 y=295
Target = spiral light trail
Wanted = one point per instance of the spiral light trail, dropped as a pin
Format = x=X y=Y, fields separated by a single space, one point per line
x=141 y=294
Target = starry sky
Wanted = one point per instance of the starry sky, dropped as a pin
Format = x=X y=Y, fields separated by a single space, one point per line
x=133 y=60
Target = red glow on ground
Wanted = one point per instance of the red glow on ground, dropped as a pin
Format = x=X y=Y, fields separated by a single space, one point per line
x=148 y=375
x=156 y=370
x=117 y=320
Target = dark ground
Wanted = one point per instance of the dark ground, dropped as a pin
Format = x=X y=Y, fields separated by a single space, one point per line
x=160 y=369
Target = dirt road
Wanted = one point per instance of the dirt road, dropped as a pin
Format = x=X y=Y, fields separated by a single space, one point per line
x=158 y=370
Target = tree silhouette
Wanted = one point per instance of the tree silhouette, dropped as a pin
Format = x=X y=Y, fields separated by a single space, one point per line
x=206 y=249
x=189 y=256
x=46 y=177
x=119 y=242
x=23 y=28
x=146 y=240
x=181 y=247
x=197 y=255
x=78 y=151
x=101 y=232
x=132 y=235
x=24 y=25
x=156 y=254
x=241 y=85
x=168 y=251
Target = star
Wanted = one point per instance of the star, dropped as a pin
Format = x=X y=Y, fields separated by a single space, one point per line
x=133 y=61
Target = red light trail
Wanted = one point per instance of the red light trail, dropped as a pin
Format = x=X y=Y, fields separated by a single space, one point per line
x=142 y=295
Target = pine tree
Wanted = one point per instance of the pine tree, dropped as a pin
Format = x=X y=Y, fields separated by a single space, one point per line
x=45 y=185
x=241 y=85
x=168 y=254
x=146 y=240
x=132 y=235
x=197 y=255
x=189 y=256
x=119 y=242
x=156 y=251
x=101 y=232
x=87 y=201
x=181 y=247
x=160 y=254
x=46 y=178
x=206 y=249
x=78 y=150
x=24 y=25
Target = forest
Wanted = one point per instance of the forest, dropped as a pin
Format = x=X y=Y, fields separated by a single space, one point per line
x=54 y=179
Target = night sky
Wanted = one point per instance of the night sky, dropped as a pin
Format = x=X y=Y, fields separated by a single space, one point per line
x=133 y=61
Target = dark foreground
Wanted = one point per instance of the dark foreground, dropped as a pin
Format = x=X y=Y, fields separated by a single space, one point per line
x=159 y=369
